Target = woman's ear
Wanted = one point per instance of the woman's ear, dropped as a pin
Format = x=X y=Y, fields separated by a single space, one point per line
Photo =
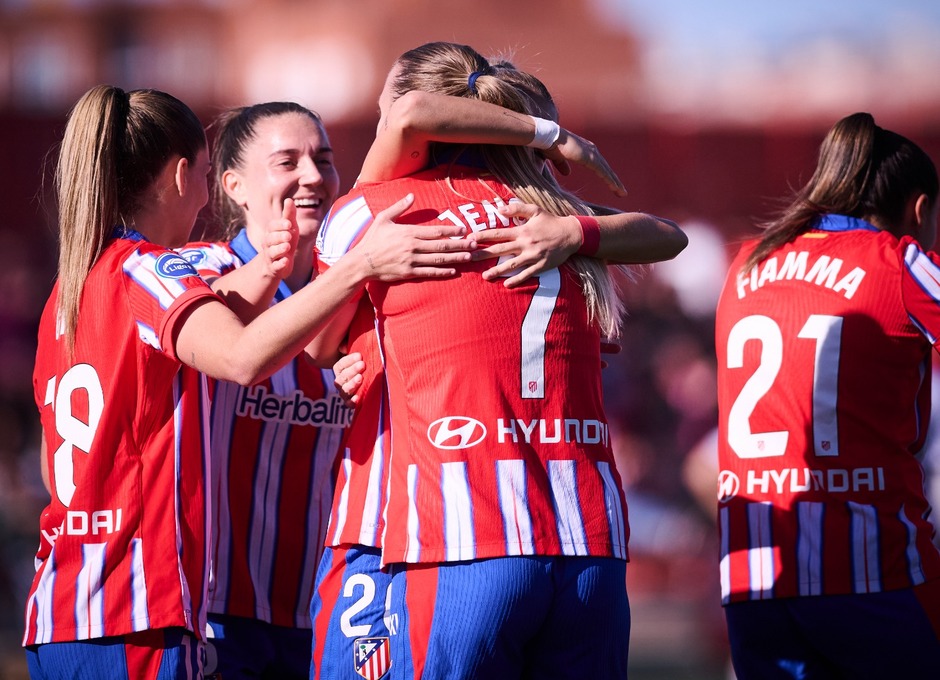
x=182 y=175
x=924 y=214
x=922 y=208
x=233 y=187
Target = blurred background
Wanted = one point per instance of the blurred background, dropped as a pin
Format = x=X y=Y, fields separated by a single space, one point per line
x=709 y=112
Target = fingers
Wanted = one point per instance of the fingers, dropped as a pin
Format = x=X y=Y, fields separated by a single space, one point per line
x=396 y=209
x=348 y=378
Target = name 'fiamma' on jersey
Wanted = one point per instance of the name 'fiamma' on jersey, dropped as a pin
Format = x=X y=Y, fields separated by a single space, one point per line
x=825 y=271
x=294 y=408
x=471 y=217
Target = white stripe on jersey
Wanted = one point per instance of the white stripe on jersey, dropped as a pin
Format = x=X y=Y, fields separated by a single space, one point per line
x=372 y=508
x=342 y=505
x=224 y=400
x=89 y=593
x=809 y=548
x=562 y=477
x=927 y=274
x=140 y=617
x=724 y=565
x=320 y=502
x=341 y=228
x=534 y=326
x=262 y=532
x=412 y=549
x=148 y=336
x=514 y=507
x=42 y=599
x=615 y=516
x=866 y=569
x=142 y=269
x=459 y=541
x=913 y=556
x=178 y=476
x=760 y=554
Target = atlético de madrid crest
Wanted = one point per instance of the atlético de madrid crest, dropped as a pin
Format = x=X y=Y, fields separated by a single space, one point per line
x=371 y=657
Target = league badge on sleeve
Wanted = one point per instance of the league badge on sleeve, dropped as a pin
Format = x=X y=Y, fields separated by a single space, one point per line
x=371 y=657
x=172 y=266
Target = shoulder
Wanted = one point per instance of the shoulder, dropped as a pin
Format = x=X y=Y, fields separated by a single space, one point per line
x=209 y=258
x=347 y=220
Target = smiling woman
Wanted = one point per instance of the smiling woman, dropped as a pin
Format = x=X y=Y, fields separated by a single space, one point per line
x=270 y=466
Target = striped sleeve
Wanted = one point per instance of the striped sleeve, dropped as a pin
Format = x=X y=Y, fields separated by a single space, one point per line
x=920 y=290
x=210 y=259
x=160 y=285
x=347 y=222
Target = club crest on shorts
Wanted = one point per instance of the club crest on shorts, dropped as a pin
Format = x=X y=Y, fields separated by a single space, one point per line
x=371 y=657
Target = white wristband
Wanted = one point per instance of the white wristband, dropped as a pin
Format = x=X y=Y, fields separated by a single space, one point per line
x=546 y=133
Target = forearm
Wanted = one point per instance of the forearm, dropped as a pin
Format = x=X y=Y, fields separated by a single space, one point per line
x=247 y=290
x=213 y=340
x=418 y=118
x=638 y=238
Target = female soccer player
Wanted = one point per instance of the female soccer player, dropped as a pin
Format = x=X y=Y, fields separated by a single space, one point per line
x=824 y=334
x=474 y=314
x=121 y=581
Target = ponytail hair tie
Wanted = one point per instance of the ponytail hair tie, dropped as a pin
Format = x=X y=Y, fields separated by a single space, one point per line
x=472 y=81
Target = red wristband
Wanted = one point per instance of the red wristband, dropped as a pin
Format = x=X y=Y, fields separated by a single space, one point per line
x=591 y=235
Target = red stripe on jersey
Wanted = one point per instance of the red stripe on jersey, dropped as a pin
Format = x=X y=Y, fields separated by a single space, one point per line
x=420 y=599
x=362 y=472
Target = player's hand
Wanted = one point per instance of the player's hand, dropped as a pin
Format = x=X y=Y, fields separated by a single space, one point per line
x=540 y=241
x=570 y=148
x=393 y=251
x=280 y=242
x=347 y=372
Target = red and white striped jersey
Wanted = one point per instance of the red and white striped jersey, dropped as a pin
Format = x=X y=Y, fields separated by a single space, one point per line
x=499 y=441
x=123 y=542
x=362 y=469
x=824 y=399
x=274 y=445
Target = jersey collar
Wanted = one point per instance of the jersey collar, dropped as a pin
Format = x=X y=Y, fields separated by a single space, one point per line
x=832 y=222
x=242 y=247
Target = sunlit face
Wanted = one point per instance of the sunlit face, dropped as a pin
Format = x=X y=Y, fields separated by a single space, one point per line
x=289 y=157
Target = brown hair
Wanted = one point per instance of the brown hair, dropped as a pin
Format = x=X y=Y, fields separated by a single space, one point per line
x=115 y=145
x=863 y=171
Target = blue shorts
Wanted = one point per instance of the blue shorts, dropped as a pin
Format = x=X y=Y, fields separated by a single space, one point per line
x=893 y=634
x=239 y=647
x=162 y=654
x=350 y=631
x=511 y=617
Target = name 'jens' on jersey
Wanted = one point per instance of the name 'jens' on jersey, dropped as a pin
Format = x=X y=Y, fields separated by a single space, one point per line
x=825 y=271
x=471 y=217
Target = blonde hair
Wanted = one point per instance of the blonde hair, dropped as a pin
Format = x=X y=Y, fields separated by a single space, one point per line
x=114 y=147
x=446 y=68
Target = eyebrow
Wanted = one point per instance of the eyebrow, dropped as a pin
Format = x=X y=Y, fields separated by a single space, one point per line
x=318 y=150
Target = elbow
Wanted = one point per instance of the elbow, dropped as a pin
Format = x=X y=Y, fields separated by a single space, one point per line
x=246 y=371
x=408 y=113
x=676 y=240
